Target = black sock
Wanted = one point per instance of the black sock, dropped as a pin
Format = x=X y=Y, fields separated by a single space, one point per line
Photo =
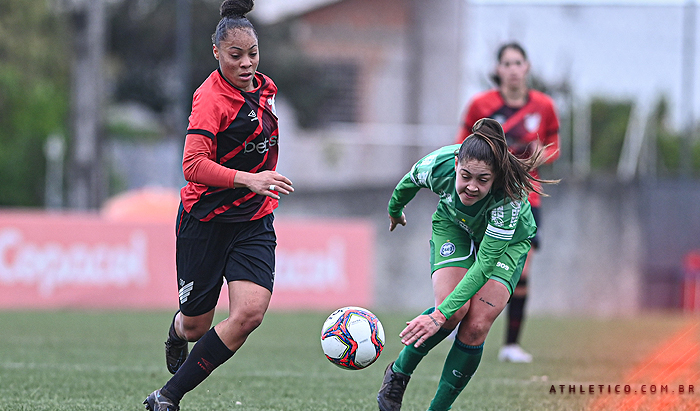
x=207 y=354
x=516 y=312
x=172 y=334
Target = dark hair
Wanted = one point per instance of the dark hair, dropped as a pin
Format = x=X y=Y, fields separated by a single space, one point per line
x=233 y=16
x=499 y=55
x=488 y=143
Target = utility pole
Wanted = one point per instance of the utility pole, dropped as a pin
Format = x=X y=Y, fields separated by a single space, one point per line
x=183 y=40
x=687 y=87
x=87 y=187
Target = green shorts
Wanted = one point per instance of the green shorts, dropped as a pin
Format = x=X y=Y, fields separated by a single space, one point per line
x=451 y=246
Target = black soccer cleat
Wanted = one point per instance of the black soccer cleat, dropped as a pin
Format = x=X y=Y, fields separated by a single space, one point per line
x=391 y=393
x=158 y=402
x=175 y=354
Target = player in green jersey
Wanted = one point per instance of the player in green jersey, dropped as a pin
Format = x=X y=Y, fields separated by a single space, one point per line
x=480 y=239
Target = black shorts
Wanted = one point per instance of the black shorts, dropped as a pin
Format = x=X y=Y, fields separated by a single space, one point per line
x=535 y=241
x=208 y=252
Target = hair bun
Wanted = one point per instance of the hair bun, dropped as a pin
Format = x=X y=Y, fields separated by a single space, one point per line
x=488 y=125
x=236 y=8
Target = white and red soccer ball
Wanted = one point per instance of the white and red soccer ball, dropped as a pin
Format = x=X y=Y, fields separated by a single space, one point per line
x=352 y=338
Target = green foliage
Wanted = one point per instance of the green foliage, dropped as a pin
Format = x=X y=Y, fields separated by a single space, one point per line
x=609 y=121
x=34 y=92
x=671 y=144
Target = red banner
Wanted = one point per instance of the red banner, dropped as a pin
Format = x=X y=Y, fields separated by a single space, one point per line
x=58 y=260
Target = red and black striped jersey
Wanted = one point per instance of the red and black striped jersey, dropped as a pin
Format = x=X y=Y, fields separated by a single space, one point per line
x=536 y=120
x=242 y=126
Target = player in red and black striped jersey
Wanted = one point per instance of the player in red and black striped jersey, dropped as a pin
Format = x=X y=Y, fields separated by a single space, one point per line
x=530 y=122
x=225 y=223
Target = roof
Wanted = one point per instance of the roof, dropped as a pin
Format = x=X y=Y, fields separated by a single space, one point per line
x=271 y=11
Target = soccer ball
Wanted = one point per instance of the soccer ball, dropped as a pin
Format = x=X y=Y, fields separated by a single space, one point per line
x=352 y=338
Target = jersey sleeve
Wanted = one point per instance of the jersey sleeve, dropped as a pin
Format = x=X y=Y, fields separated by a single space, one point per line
x=206 y=115
x=499 y=231
x=198 y=167
x=419 y=177
x=551 y=137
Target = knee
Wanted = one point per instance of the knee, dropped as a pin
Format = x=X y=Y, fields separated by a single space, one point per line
x=474 y=332
x=246 y=321
x=194 y=330
x=456 y=318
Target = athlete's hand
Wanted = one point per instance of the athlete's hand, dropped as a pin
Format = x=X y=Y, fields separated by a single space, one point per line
x=421 y=328
x=268 y=183
x=393 y=221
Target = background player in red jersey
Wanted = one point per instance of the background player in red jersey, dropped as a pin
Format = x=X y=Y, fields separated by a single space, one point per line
x=225 y=222
x=530 y=122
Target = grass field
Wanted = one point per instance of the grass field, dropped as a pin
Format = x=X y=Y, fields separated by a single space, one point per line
x=62 y=361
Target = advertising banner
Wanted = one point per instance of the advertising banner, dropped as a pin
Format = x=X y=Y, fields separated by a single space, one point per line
x=69 y=260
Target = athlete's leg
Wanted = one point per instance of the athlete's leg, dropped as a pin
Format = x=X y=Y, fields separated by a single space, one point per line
x=192 y=328
x=515 y=318
x=248 y=303
x=184 y=329
x=444 y=282
x=516 y=307
x=399 y=372
x=465 y=354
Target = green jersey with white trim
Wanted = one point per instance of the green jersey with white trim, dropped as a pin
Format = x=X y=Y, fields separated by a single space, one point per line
x=493 y=222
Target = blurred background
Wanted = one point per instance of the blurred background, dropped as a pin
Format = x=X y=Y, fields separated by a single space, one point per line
x=95 y=95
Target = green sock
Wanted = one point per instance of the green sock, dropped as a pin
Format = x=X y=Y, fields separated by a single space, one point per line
x=461 y=363
x=410 y=356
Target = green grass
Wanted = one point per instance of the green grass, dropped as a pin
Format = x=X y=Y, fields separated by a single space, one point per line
x=62 y=361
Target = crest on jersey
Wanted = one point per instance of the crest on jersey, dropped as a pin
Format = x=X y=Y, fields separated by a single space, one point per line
x=271 y=103
x=532 y=122
x=447 y=249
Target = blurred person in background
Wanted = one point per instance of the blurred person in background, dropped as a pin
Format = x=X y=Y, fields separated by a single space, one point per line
x=481 y=234
x=530 y=122
x=224 y=225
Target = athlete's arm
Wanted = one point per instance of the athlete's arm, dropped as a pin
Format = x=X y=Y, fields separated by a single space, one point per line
x=402 y=195
x=197 y=167
x=490 y=250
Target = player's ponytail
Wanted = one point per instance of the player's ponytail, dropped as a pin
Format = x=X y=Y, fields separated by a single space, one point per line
x=488 y=143
x=233 y=16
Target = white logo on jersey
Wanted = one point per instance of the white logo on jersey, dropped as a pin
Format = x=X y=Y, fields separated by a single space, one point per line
x=185 y=291
x=503 y=266
x=262 y=146
x=253 y=115
x=532 y=122
x=497 y=216
x=421 y=178
x=271 y=103
x=515 y=212
x=446 y=196
x=428 y=160
x=447 y=249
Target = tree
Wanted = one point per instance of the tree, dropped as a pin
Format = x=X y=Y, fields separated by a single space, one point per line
x=34 y=95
